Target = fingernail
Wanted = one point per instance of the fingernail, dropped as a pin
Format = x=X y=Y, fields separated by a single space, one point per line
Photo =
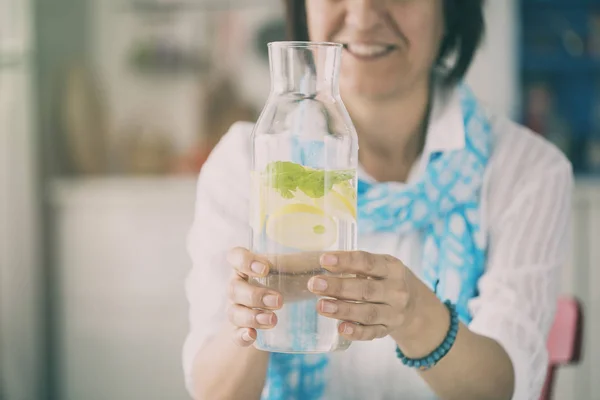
x=318 y=284
x=329 y=307
x=264 y=319
x=271 y=300
x=246 y=337
x=329 y=259
x=348 y=329
x=258 y=268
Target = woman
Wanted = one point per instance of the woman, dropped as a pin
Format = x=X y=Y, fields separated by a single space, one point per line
x=506 y=211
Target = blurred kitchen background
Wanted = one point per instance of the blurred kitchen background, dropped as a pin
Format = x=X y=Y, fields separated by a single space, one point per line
x=108 y=108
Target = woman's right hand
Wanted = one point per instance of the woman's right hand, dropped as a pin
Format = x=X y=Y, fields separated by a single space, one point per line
x=251 y=306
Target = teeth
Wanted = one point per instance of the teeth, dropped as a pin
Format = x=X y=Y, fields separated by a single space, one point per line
x=367 y=50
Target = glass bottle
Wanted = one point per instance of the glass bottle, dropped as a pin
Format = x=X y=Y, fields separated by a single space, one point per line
x=303 y=200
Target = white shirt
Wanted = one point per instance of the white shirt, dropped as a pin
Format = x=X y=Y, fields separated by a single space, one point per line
x=526 y=205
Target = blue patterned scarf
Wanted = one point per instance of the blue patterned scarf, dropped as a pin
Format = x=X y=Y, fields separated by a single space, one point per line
x=444 y=205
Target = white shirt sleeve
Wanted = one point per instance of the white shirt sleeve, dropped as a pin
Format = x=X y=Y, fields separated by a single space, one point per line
x=220 y=223
x=527 y=249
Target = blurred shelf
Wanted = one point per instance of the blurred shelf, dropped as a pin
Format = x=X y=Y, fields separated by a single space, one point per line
x=561 y=64
x=588 y=183
x=178 y=6
x=119 y=191
x=560 y=3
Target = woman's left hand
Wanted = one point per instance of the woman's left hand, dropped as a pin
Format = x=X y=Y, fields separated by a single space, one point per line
x=375 y=303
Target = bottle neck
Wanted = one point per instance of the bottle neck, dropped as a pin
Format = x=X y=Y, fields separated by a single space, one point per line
x=304 y=69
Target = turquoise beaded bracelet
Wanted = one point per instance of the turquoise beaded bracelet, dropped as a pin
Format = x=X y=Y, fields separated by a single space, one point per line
x=435 y=356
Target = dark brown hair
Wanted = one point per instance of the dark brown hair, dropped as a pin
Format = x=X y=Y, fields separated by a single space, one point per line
x=464 y=23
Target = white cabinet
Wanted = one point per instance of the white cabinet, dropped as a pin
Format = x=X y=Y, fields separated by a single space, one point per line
x=121 y=263
x=120 y=267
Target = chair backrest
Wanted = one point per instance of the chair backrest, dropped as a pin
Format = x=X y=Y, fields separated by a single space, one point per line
x=564 y=341
x=565 y=335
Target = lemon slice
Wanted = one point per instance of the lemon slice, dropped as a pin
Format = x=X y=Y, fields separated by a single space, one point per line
x=341 y=203
x=347 y=190
x=302 y=226
x=265 y=198
x=337 y=205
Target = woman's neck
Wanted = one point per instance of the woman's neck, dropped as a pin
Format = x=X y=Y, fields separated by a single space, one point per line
x=391 y=132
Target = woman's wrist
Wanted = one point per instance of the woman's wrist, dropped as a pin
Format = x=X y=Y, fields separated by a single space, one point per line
x=427 y=324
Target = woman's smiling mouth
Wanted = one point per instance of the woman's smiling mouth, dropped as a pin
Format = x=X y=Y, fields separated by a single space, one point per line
x=367 y=51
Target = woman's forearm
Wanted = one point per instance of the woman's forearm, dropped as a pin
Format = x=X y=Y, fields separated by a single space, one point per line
x=476 y=367
x=225 y=371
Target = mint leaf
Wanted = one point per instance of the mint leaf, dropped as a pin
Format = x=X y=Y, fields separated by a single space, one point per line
x=340 y=176
x=286 y=177
x=313 y=184
x=284 y=167
x=286 y=193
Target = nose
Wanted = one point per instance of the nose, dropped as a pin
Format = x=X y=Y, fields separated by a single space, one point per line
x=363 y=15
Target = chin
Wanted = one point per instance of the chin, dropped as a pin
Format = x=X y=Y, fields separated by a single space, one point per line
x=375 y=88
x=376 y=79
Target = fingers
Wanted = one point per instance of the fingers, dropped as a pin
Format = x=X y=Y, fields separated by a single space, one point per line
x=244 y=293
x=357 y=289
x=245 y=317
x=363 y=313
x=244 y=337
x=295 y=263
x=250 y=264
x=247 y=263
x=356 y=332
x=362 y=263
